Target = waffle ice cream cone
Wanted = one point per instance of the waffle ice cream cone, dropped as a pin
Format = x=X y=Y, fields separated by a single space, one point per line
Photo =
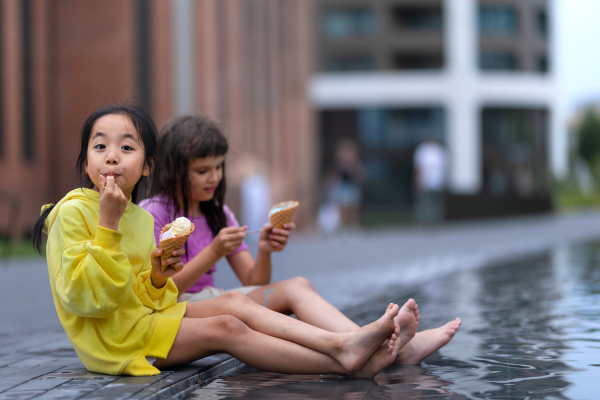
x=284 y=215
x=171 y=244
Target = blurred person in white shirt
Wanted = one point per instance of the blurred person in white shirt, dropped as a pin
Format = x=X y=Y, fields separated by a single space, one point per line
x=430 y=167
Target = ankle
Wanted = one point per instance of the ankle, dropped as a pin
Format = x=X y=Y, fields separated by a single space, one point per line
x=338 y=342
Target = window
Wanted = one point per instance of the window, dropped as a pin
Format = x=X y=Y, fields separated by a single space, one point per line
x=541 y=23
x=542 y=63
x=342 y=23
x=350 y=63
x=515 y=151
x=497 y=20
x=418 y=18
x=498 y=60
x=417 y=61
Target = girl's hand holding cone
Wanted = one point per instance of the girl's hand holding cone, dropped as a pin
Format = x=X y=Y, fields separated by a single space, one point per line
x=273 y=239
x=159 y=277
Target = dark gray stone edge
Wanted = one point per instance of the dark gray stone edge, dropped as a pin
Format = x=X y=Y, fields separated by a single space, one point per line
x=182 y=389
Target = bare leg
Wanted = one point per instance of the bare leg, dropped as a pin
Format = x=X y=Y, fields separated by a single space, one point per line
x=201 y=337
x=298 y=296
x=351 y=349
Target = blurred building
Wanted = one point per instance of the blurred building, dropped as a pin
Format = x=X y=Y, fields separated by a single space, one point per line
x=243 y=63
x=477 y=76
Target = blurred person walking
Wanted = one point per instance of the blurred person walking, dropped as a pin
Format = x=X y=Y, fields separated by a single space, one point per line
x=255 y=192
x=430 y=165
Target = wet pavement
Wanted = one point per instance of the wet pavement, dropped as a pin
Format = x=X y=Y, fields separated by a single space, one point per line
x=531 y=330
x=528 y=297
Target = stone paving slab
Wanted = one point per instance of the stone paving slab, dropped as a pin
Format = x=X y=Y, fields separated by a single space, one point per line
x=66 y=378
x=43 y=365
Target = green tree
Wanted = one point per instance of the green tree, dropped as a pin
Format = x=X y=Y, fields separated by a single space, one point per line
x=589 y=139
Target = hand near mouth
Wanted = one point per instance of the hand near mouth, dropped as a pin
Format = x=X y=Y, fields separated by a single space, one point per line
x=112 y=203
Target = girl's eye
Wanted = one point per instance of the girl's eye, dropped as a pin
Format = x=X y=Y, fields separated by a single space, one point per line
x=99 y=146
x=201 y=171
x=127 y=148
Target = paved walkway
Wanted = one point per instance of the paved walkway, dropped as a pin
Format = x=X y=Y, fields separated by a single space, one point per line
x=37 y=361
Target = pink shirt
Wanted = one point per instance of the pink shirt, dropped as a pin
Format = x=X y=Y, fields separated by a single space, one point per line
x=198 y=240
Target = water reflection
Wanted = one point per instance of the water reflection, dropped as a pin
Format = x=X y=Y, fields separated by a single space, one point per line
x=531 y=330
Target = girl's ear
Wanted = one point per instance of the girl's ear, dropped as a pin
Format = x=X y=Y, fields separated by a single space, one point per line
x=85 y=166
x=149 y=167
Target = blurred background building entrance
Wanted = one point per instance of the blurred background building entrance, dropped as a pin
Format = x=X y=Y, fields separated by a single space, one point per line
x=477 y=76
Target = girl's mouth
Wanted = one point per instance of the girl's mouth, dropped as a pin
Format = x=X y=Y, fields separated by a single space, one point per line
x=210 y=190
x=112 y=174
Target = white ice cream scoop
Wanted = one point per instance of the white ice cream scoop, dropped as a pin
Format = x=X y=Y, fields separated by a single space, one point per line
x=179 y=227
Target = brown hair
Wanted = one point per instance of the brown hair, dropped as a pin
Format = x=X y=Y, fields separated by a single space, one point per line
x=181 y=141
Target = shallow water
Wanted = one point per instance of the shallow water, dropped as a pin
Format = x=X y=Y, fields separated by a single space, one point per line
x=531 y=330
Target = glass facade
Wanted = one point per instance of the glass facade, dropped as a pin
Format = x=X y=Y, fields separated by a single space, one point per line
x=381 y=35
x=417 y=61
x=541 y=23
x=498 y=20
x=349 y=22
x=515 y=151
x=498 y=60
x=418 y=18
x=350 y=63
x=387 y=138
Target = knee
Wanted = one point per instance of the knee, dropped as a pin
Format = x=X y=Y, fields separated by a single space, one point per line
x=230 y=325
x=301 y=282
x=235 y=297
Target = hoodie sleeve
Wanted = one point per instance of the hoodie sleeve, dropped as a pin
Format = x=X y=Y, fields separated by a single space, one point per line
x=95 y=276
x=151 y=297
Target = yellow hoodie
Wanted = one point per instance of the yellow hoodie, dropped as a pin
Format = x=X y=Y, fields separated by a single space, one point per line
x=102 y=289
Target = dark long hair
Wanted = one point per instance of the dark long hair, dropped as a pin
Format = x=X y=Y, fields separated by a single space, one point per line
x=181 y=141
x=148 y=137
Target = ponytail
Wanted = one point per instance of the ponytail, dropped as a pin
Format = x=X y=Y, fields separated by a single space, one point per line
x=36 y=231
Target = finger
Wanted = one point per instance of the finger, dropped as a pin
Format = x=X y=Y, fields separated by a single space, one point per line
x=289 y=226
x=102 y=184
x=233 y=245
x=172 y=261
x=276 y=245
x=282 y=232
x=179 y=252
x=267 y=228
x=110 y=183
x=156 y=252
x=231 y=230
x=278 y=238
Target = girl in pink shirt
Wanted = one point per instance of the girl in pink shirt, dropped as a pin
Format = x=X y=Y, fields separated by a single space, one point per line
x=189 y=180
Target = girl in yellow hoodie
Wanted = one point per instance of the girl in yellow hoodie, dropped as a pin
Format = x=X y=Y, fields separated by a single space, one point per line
x=120 y=310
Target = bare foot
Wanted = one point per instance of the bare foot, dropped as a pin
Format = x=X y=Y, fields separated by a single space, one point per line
x=382 y=358
x=359 y=345
x=408 y=320
x=425 y=343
